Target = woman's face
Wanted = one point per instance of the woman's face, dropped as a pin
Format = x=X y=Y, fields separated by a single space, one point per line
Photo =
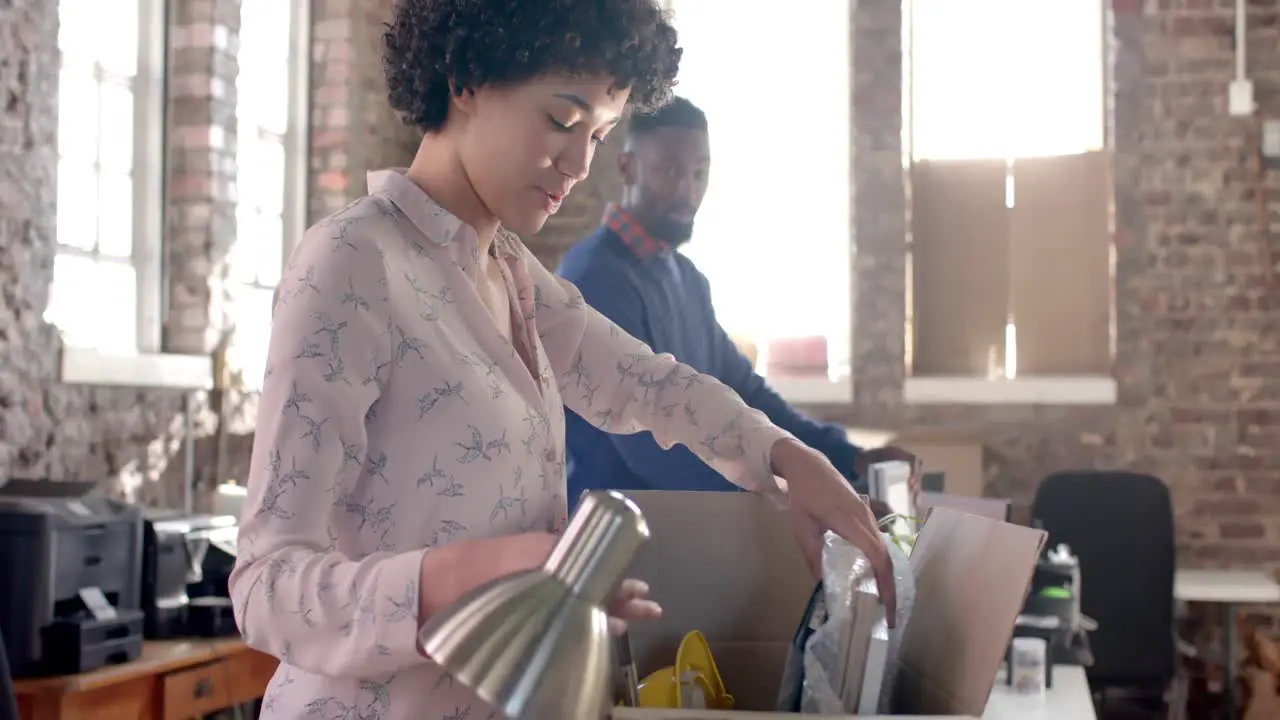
x=525 y=146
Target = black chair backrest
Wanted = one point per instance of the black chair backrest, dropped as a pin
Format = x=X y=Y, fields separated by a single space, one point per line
x=8 y=702
x=1120 y=525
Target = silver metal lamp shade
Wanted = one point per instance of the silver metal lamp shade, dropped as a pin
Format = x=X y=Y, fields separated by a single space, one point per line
x=536 y=645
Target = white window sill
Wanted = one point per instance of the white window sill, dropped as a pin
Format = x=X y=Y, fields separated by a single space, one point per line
x=813 y=390
x=143 y=370
x=1065 y=390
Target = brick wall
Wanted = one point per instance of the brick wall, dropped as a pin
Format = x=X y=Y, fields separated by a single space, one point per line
x=1028 y=440
x=48 y=430
x=1198 y=355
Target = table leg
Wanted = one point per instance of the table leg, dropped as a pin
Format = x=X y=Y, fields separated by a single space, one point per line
x=1230 y=669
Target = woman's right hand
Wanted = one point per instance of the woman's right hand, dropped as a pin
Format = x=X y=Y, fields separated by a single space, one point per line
x=450 y=571
x=517 y=553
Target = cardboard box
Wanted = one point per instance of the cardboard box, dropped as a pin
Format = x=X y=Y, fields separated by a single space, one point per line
x=961 y=458
x=727 y=564
x=633 y=714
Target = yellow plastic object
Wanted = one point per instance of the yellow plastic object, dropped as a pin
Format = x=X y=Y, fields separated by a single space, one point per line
x=692 y=683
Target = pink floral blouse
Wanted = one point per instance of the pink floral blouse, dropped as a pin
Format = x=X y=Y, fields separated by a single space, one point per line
x=395 y=418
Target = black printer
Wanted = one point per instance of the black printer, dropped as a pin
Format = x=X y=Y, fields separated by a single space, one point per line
x=186 y=563
x=80 y=556
x=1052 y=613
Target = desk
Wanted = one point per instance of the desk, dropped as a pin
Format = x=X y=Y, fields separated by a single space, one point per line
x=1226 y=588
x=1068 y=699
x=172 y=680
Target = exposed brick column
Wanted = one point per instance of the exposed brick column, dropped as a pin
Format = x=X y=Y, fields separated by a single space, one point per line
x=28 y=196
x=353 y=129
x=1129 y=101
x=879 y=209
x=200 y=213
x=201 y=207
x=332 y=87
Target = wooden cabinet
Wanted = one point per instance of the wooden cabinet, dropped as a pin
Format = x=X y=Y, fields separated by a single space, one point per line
x=173 y=680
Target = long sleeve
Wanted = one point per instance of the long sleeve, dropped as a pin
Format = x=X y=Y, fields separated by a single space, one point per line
x=618 y=384
x=735 y=371
x=297 y=596
x=676 y=467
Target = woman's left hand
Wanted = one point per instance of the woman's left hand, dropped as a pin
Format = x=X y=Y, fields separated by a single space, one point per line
x=821 y=499
x=631 y=603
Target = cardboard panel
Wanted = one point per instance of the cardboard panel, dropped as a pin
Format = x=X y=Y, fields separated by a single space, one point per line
x=727 y=564
x=960 y=265
x=1061 y=264
x=961 y=459
x=650 y=714
x=993 y=508
x=971 y=575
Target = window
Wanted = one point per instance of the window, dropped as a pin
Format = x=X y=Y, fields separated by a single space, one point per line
x=782 y=270
x=1010 y=252
x=106 y=290
x=270 y=172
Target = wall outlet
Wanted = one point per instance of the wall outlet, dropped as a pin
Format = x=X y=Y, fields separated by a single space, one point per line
x=1271 y=139
x=1270 y=143
x=1240 y=98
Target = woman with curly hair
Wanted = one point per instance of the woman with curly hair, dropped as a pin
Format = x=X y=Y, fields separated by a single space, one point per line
x=410 y=441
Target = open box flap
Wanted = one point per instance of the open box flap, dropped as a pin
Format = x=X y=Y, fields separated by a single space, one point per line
x=726 y=564
x=971 y=575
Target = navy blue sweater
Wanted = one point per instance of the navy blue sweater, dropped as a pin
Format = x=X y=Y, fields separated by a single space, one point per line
x=666 y=302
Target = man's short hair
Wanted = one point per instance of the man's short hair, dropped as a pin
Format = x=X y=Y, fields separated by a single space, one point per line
x=679 y=113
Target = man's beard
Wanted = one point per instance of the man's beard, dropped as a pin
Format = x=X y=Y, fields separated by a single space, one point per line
x=669 y=231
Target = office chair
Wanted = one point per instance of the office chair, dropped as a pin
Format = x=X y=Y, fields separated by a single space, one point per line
x=8 y=701
x=1120 y=525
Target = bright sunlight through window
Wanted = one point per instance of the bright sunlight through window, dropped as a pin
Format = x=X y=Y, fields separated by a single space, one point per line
x=773 y=235
x=262 y=112
x=94 y=296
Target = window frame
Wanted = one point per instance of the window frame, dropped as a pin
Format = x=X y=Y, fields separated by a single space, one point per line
x=149 y=365
x=980 y=390
x=298 y=136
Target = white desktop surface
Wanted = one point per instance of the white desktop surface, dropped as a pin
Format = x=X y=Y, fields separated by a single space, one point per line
x=1068 y=699
x=1225 y=586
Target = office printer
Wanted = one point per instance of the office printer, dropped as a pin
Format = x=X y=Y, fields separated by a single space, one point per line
x=186 y=563
x=1052 y=611
x=71 y=561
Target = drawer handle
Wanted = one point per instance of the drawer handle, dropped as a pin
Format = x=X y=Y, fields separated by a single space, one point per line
x=203 y=688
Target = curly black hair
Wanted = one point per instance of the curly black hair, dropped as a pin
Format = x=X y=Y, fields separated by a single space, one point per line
x=678 y=113
x=433 y=45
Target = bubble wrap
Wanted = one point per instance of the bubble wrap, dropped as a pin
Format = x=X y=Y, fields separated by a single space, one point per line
x=846 y=570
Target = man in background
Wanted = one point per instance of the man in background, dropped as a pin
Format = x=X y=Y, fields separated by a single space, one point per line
x=629 y=271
